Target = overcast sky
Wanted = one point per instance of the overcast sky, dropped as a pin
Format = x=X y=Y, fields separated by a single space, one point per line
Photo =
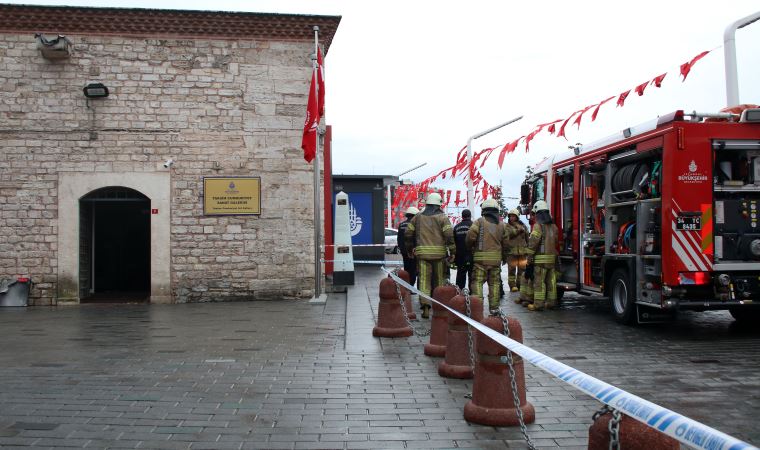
x=409 y=81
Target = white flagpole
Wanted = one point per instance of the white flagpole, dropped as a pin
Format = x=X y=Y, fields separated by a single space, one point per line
x=317 y=203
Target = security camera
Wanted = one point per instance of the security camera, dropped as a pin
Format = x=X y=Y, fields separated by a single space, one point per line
x=169 y=162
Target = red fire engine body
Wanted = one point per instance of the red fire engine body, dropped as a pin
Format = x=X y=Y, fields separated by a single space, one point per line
x=661 y=217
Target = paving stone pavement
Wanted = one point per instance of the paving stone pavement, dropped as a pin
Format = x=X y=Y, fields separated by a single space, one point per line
x=289 y=374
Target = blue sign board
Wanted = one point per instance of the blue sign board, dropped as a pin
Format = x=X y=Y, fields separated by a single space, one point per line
x=360 y=217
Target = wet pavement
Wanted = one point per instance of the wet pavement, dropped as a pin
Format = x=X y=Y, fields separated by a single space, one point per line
x=289 y=374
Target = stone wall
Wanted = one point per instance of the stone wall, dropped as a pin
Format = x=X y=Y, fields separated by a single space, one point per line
x=217 y=107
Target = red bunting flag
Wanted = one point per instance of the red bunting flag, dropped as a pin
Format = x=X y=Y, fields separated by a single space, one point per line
x=686 y=67
x=577 y=120
x=623 y=96
x=309 y=141
x=657 y=81
x=564 y=124
x=640 y=88
x=448 y=197
x=458 y=199
x=596 y=110
x=508 y=148
x=321 y=82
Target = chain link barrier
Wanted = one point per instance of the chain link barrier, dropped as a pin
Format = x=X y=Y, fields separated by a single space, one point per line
x=513 y=383
x=420 y=333
x=468 y=310
x=613 y=426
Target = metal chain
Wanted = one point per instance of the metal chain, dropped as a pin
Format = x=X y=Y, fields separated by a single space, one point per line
x=468 y=308
x=513 y=383
x=420 y=333
x=613 y=426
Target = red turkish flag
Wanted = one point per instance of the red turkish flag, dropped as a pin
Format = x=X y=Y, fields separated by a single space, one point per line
x=309 y=141
x=657 y=81
x=321 y=82
x=686 y=67
x=596 y=110
x=640 y=88
x=623 y=96
x=508 y=148
x=577 y=120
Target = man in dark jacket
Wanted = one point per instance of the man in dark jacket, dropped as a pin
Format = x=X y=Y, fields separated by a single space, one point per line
x=464 y=256
x=410 y=264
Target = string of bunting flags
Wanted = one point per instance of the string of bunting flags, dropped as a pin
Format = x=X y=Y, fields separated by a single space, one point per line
x=409 y=195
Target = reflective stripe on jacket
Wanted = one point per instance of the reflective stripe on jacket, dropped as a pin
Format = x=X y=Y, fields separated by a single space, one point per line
x=518 y=245
x=487 y=241
x=433 y=236
x=542 y=245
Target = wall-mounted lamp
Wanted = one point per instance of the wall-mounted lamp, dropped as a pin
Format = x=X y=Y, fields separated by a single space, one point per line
x=57 y=48
x=95 y=90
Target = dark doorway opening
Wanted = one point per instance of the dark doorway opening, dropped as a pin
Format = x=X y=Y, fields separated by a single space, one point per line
x=114 y=250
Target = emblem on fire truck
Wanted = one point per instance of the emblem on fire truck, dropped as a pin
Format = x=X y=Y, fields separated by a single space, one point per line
x=693 y=176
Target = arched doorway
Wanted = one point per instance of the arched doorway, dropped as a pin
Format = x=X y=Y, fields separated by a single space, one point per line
x=114 y=245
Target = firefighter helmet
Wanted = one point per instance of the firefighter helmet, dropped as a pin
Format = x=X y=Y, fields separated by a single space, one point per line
x=434 y=199
x=490 y=203
x=514 y=212
x=540 y=206
x=412 y=210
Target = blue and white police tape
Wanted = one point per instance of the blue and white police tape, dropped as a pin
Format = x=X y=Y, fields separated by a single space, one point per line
x=382 y=263
x=681 y=428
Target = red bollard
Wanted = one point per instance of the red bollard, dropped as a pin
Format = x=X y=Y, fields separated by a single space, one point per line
x=492 y=400
x=404 y=275
x=439 y=324
x=390 y=319
x=457 y=362
x=633 y=435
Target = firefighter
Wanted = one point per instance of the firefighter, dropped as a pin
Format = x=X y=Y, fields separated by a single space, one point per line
x=432 y=235
x=542 y=259
x=526 y=286
x=410 y=264
x=464 y=256
x=487 y=239
x=516 y=259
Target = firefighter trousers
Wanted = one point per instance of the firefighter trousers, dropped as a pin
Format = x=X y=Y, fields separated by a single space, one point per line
x=490 y=275
x=515 y=268
x=526 y=290
x=545 y=286
x=430 y=274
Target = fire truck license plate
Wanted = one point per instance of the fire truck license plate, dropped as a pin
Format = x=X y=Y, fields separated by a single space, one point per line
x=689 y=223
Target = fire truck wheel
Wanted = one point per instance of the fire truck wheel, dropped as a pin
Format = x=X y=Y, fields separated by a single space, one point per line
x=745 y=315
x=621 y=297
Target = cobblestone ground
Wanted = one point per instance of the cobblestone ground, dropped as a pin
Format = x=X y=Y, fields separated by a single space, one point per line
x=289 y=374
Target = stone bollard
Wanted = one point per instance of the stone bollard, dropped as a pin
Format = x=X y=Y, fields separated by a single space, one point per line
x=633 y=435
x=457 y=362
x=404 y=275
x=492 y=400
x=439 y=325
x=390 y=319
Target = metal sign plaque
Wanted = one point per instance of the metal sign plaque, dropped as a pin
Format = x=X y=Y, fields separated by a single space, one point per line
x=231 y=196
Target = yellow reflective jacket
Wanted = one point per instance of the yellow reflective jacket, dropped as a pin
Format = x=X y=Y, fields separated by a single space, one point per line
x=517 y=245
x=432 y=234
x=488 y=242
x=542 y=245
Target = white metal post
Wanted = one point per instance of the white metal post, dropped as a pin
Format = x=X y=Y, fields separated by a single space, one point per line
x=470 y=187
x=389 y=205
x=729 y=50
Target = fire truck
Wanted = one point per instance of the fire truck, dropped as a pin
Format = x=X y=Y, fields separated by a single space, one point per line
x=661 y=217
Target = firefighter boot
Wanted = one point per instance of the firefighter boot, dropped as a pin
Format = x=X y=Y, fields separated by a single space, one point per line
x=425 y=311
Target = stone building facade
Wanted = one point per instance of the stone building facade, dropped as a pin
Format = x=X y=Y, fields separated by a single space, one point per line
x=220 y=94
